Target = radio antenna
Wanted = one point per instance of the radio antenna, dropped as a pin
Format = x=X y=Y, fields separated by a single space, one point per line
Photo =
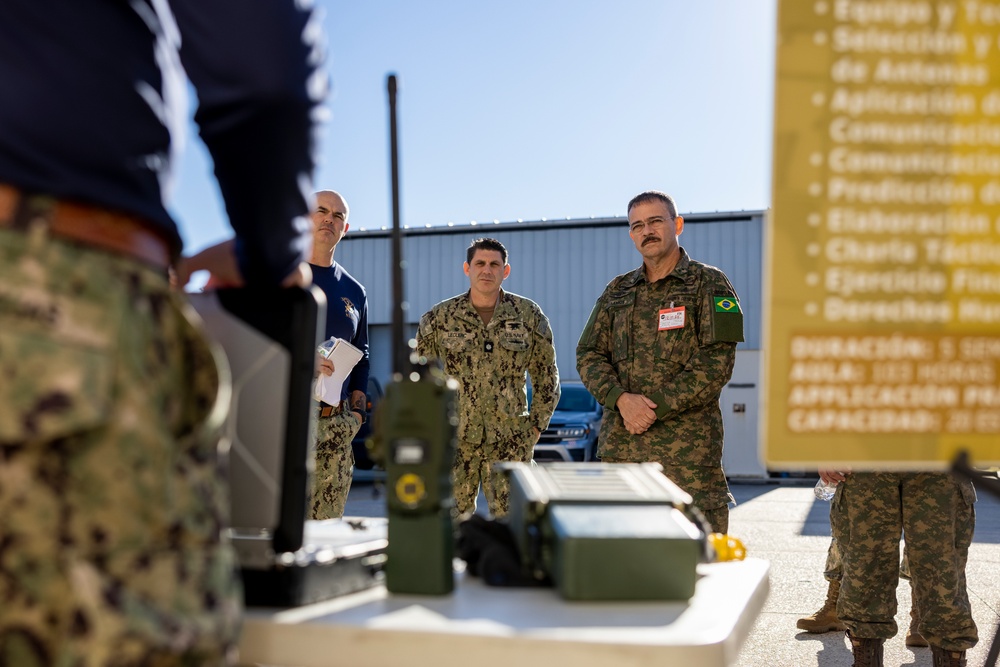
x=400 y=349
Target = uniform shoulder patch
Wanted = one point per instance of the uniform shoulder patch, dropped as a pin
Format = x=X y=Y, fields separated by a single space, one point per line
x=727 y=319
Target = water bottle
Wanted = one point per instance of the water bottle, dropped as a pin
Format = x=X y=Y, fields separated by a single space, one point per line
x=825 y=490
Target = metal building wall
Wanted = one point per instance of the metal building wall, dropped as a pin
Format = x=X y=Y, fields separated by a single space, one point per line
x=562 y=265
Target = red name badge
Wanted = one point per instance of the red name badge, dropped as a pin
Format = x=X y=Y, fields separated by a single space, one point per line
x=671 y=318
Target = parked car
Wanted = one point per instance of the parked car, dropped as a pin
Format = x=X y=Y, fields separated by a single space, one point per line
x=361 y=459
x=574 y=427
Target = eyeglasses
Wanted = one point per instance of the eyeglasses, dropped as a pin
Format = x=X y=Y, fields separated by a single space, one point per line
x=653 y=224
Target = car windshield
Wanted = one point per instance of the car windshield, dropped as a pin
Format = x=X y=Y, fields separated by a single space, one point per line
x=576 y=399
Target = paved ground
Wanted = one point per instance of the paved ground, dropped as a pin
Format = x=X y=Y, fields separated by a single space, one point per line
x=785 y=524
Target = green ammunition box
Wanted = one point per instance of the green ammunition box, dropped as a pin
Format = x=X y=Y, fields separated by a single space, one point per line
x=623 y=552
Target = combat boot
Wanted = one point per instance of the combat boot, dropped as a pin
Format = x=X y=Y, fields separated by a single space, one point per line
x=867 y=652
x=945 y=658
x=913 y=636
x=824 y=620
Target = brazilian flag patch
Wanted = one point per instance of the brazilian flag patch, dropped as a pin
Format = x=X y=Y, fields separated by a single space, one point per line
x=726 y=304
x=727 y=320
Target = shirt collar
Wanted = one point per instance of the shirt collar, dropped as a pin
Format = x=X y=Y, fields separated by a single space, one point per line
x=503 y=308
x=682 y=272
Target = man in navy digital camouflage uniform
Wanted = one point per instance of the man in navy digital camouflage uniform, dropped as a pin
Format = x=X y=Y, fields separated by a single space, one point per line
x=113 y=501
x=491 y=340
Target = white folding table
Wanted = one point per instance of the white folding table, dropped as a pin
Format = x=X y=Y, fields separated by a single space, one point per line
x=513 y=627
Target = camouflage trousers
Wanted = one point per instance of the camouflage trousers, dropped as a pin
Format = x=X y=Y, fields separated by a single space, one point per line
x=334 y=464
x=718 y=519
x=938 y=517
x=706 y=484
x=113 y=501
x=474 y=466
x=835 y=568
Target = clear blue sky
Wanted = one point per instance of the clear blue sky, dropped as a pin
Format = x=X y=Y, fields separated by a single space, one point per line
x=531 y=109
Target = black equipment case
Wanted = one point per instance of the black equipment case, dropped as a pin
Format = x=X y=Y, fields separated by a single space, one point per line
x=270 y=337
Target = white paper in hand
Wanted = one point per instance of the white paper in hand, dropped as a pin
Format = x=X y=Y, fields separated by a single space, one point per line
x=345 y=357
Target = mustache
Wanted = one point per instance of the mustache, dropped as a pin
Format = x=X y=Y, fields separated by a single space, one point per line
x=651 y=239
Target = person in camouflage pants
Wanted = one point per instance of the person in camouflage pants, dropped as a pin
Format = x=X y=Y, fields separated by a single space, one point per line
x=656 y=352
x=334 y=462
x=826 y=619
x=113 y=502
x=937 y=514
x=488 y=339
x=339 y=418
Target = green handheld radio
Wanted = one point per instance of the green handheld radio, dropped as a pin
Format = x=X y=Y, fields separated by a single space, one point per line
x=414 y=440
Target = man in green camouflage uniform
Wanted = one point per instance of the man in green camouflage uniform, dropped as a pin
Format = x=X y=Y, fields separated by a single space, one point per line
x=656 y=352
x=488 y=339
x=937 y=514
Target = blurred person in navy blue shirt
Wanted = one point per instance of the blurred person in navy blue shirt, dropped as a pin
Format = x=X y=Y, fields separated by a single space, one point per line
x=113 y=503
